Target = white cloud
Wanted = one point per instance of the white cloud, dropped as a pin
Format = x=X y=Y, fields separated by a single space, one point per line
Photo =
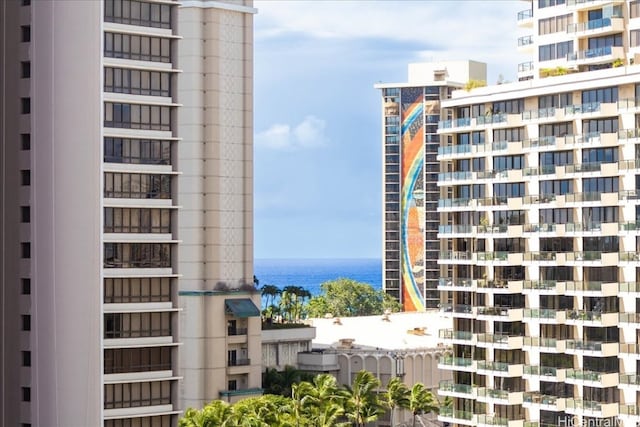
x=309 y=133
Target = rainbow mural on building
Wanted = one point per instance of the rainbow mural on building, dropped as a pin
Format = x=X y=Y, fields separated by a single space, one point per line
x=412 y=199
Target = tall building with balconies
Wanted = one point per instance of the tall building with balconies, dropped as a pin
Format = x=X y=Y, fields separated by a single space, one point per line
x=410 y=115
x=126 y=194
x=540 y=237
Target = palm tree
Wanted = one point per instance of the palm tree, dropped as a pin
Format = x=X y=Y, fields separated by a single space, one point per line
x=396 y=396
x=361 y=401
x=269 y=293
x=323 y=401
x=422 y=401
x=216 y=413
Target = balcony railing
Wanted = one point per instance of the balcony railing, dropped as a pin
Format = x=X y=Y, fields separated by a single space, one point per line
x=540 y=113
x=455 y=282
x=630 y=379
x=448 y=412
x=524 y=67
x=540 y=313
x=236 y=331
x=525 y=40
x=491 y=118
x=463 y=362
x=493 y=393
x=541 y=371
x=590 y=53
x=455 y=229
x=547 y=285
x=493 y=366
x=539 y=398
x=238 y=362
x=629 y=317
x=589 y=25
x=450 y=334
x=629 y=409
x=583 y=345
x=450 y=386
x=525 y=14
x=492 y=421
x=589 y=107
x=540 y=342
x=631 y=287
x=581 y=375
x=583 y=315
x=456 y=308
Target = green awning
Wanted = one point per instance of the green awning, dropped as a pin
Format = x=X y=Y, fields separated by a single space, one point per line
x=241 y=307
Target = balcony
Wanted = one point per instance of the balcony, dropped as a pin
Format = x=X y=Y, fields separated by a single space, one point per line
x=631 y=256
x=544 y=401
x=592 y=378
x=549 y=141
x=541 y=113
x=549 y=345
x=525 y=42
x=525 y=15
x=630 y=287
x=455 y=229
x=454 y=416
x=455 y=257
x=629 y=226
x=525 y=68
x=457 y=310
x=499 y=341
x=630 y=411
x=591 y=288
x=502 y=397
x=501 y=369
x=591 y=318
x=631 y=381
x=545 y=287
x=591 y=408
x=499 y=286
x=545 y=373
x=630 y=349
x=597 y=26
x=456 y=363
x=454 y=284
x=449 y=336
x=631 y=318
x=592 y=348
x=449 y=388
x=488 y=420
x=504 y=314
x=596 y=56
x=544 y=315
x=238 y=362
x=454 y=123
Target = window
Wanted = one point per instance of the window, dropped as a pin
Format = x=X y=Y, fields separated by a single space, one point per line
x=557 y=100
x=556 y=158
x=137 y=255
x=25 y=250
x=25 y=141
x=142 y=48
x=599 y=214
x=141 y=151
x=138 y=359
x=26 y=3
x=513 y=106
x=510 y=135
x=593 y=126
x=634 y=38
x=605 y=41
x=548 y=3
x=134 y=116
x=508 y=217
x=131 y=395
x=137 y=290
x=600 y=244
x=550 y=52
x=26 y=286
x=25 y=321
x=557 y=187
x=634 y=8
x=25 y=177
x=512 y=245
x=155 y=421
x=137 y=325
x=556 y=244
x=26 y=358
x=133 y=12
x=25 y=33
x=554 y=24
x=25 y=105
x=137 y=186
x=556 y=129
x=556 y=216
x=232 y=385
x=26 y=394
x=25 y=214
x=137 y=82
x=507 y=190
x=600 y=185
x=137 y=220
x=599 y=155
x=606 y=95
x=25 y=69
x=503 y=163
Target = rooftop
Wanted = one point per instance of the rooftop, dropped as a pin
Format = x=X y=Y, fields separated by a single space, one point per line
x=402 y=331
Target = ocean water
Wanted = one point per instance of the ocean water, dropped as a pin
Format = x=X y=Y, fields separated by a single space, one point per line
x=311 y=273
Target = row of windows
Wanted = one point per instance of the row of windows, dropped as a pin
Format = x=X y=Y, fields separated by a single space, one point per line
x=133 y=12
x=138 y=151
x=137 y=325
x=137 y=186
x=153 y=421
x=555 y=24
x=135 y=116
x=503 y=163
x=138 y=359
x=634 y=8
x=142 y=48
x=557 y=100
x=548 y=3
x=137 y=255
x=131 y=395
x=137 y=289
x=512 y=134
x=553 y=51
x=511 y=189
x=137 y=82
x=474 y=138
x=137 y=220
x=605 y=95
x=512 y=106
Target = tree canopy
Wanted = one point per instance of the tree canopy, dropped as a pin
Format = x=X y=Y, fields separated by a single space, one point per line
x=347 y=297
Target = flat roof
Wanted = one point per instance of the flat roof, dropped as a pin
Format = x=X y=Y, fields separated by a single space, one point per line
x=403 y=331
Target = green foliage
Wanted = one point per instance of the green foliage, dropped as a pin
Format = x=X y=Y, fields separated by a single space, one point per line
x=473 y=83
x=288 y=304
x=618 y=62
x=320 y=402
x=346 y=298
x=280 y=383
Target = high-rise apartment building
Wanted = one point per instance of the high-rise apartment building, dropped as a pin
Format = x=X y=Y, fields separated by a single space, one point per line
x=540 y=228
x=126 y=208
x=410 y=115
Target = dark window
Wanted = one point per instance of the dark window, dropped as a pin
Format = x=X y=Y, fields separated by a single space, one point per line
x=130 y=395
x=511 y=245
x=557 y=187
x=25 y=69
x=25 y=141
x=605 y=41
x=142 y=151
x=26 y=358
x=143 y=48
x=503 y=163
x=512 y=189
x=557 y=100
x=609 y=125
x=634 y=7
x=137 y=186
x=26 y=286
x=600 y=155
x=137 y=82
x=556 y=158
x=26 y=3
x=513 y=106
x=508 y=217
x=133 y=12
x=25 y=250
x=137 y=255
x=25 y=177
x=137 y=325
x=154 y=420
x=556 y=216
x=598 y=214
x=137 y=220
x=25 y=33
x=232 y=385
x=556 y=244
x=510 y=135
x=25 y=214
x=605 y=95
x=138 y=359
x=137 y=289
x=135 y=116
x=25 y=105
x=548 y=3
x=600 y=185
x=600 y=244
x=556 y=129
x=25 y=320
x=26 y=394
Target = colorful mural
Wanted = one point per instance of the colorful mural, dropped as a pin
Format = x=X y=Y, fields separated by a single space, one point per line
x=412 y=199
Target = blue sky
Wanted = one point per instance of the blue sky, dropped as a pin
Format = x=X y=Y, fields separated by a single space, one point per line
x=317 y=116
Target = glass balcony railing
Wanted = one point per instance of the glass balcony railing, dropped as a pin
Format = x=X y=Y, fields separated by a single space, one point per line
x=492 y=256
x=539 y=398
x=454 y=149
x=455 y=414
x=456 y=255
x=628 y=133
x=455 y=176
x=631 y=379
x=631 y=287
x=450 y=386
x=594 y=24
x=629 y=348
x=629 y=317
x=627 y=103
x=540 y=342
x=456 y=308
x=462 y=362
x=590 y=53
x=525 y=40
x=540 y=113
x=493 y=393
x=491 y=118
x=458 y=228
x=493 y=284
x=589 y=405
x=454 y=203
x=584 y=286
x=541 y=371
x=539 y=228
x=493 y=366
x=524 y=67
x=545 y=141
x=492 y=421
x=540 y=313
x=581 y=375
x=589 y=107
x=629 y=409
x=547 y=285
x=583 y=345
x=457 y=282
x=450 y=334
x=525 y=14
x=584 y=315
x=629 y=256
